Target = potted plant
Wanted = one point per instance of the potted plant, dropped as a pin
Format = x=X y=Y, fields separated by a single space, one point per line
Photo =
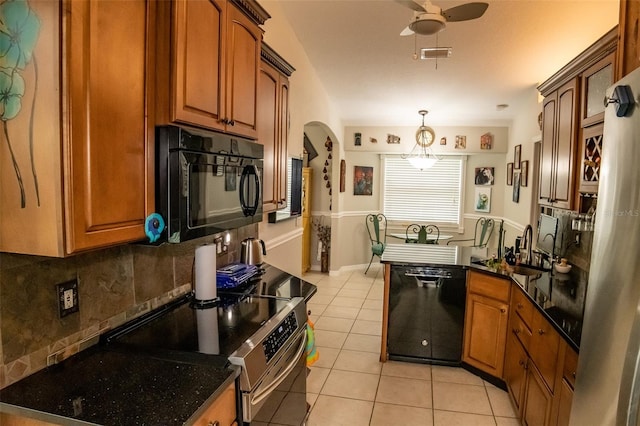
x=324 y=236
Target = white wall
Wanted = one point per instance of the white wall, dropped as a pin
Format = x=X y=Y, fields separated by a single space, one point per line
x=312 y=111
x=524 y=131
x=308 y=102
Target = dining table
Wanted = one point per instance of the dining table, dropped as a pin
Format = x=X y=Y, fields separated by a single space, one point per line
x=414 y=237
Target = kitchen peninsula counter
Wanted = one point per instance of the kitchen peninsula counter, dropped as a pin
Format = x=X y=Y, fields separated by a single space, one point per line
x=559 y=297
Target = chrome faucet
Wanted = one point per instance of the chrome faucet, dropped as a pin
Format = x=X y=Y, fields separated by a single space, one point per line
x=527 y=236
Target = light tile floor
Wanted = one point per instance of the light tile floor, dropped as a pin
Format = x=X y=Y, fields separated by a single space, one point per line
x=348 y=385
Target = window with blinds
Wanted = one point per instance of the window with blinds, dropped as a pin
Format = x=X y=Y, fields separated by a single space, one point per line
x=432 y=195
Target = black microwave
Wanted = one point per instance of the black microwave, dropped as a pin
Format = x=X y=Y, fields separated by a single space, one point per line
x=206 y=182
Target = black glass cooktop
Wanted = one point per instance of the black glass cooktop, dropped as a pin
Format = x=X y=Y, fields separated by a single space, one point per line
x=219 y=328
x=216 y=330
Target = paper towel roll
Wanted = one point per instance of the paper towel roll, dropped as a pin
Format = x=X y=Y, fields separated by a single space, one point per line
x=205 y=272
x=208 y=337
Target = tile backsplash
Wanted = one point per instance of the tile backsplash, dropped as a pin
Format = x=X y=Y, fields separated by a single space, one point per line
x=115 y=285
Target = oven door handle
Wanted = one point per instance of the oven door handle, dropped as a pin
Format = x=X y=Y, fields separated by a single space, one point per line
x=264 y=393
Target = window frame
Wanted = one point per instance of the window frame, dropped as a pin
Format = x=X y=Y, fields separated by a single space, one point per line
x=402 y=223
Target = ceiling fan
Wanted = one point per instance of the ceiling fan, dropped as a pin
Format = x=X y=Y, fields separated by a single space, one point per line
x=429 y=19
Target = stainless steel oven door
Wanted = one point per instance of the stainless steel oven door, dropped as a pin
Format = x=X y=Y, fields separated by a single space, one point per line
x=281 y=396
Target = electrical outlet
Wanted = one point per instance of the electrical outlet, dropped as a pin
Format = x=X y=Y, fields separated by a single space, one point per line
x=68 y=302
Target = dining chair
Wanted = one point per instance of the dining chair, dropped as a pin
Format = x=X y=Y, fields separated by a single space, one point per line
x=427 y=234
x=482 y=233
x=377 y=230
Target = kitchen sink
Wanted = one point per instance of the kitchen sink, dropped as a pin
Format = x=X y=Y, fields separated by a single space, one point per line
x=522 y=269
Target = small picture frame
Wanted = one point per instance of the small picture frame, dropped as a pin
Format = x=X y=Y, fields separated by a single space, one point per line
x=516 y=186
x=393 y=139
x=509 y=174
x=486 y=141
x=484 y=176
x=343 y=171
x=524 y=169
x=461 y=142
x=517 y=152
x=443 y=140
x=357 y=139
x=482 y=200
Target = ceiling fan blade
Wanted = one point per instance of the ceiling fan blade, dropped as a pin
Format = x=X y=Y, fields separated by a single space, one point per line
x=407 y=32
x=465 y=12
x=412 y=5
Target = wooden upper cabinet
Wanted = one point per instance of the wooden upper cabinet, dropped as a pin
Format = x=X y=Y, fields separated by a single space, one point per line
x=268 y=134
x=87 y=182
x=559 y=126
x=629 y=38
x=566 y=109
x=109 y=191
x=273 y=124
x=595 y=81
x=244 y=40
x=208 y=58
x=199 y=63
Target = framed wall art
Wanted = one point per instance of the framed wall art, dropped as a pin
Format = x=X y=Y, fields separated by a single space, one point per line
x=484 y=176
x=362 y=180
x=517 y=153
x=486 y=141
x=516 y=186
x=524 y=170
x=482 y=200
x=509 y=174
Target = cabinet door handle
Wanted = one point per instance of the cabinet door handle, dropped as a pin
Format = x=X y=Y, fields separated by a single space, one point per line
x=214 y=423
x=521 y=363
x=520 y=305
x=503 y=310
x=541 y=331
x=516 y=331
x=573 y=374
x=232 y=122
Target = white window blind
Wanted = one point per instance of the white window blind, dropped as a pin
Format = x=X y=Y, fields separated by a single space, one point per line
x=432 y=195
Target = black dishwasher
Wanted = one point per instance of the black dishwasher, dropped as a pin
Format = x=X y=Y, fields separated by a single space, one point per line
x=426 y=314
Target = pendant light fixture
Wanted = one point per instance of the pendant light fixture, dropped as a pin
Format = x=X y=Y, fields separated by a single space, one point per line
x=421 y=156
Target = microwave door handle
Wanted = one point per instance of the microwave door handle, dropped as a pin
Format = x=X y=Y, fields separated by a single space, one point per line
x=249 y=209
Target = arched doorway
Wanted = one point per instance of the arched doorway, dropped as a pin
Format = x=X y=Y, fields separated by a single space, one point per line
x=323 y=159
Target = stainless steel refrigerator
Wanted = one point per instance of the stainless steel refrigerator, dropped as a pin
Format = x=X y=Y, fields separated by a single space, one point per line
x=607 y=389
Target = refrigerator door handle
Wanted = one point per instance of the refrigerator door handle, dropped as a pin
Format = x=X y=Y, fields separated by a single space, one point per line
x=629 y=397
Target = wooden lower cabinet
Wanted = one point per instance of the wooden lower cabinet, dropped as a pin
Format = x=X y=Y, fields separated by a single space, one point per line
x=515 y=371
x=545 y=345
x=540 y=366
x=13 y=420
x=538 y=401
x=486 y=315
x=223 y=410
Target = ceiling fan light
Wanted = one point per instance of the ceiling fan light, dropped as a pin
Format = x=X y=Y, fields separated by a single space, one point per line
x=428 y=24
x=435 y=52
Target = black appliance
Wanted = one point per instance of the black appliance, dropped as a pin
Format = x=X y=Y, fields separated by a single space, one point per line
x=206 y=182
x=426 y=314
x=259 y=326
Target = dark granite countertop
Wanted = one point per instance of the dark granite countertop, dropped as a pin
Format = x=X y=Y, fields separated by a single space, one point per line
x=559 y=297
x=106 y=387
x=116 y=385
